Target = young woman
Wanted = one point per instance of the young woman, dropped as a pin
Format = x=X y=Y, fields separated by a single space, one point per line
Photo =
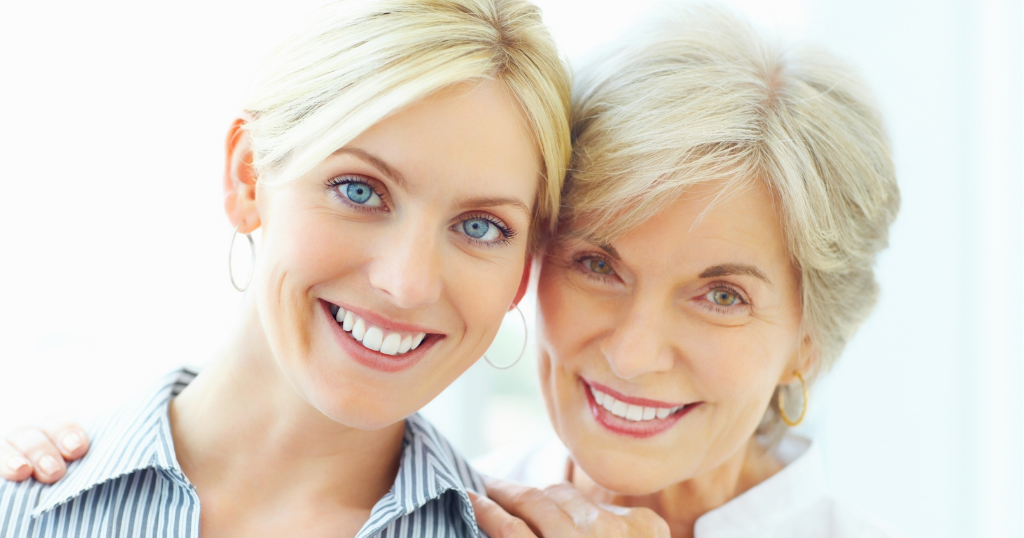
x=726 y=202
x=400 y=157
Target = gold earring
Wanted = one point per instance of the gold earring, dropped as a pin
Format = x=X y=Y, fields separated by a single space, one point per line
x=803 y=411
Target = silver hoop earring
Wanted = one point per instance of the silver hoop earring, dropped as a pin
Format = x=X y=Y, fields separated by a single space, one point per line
x=521 y=351
x=252 y=260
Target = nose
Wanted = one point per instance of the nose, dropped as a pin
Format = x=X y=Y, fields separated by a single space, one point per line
x=407 y=267
x=639 y=344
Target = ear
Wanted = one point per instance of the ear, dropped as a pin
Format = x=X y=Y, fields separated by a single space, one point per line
x=525 y=282
x=805 y=361
x=240 y=179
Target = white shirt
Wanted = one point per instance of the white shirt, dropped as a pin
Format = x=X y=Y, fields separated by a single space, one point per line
x=793 y=503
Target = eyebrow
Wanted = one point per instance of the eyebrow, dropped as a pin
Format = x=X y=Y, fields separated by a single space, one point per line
x=610 y=250
x=496 y=201
x=376 y=162
x=728 y=269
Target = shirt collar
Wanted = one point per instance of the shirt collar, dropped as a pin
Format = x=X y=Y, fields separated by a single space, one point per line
x=800 y=483
x=136 y=436
x=430 y=469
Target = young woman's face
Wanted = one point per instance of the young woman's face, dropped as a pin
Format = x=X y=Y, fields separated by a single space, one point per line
x=418 y=230
x=659 y=353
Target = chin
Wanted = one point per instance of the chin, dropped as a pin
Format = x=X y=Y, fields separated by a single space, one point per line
x=358 y=414
x=624 y=474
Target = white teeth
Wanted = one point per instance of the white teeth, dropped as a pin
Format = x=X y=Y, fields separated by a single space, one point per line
x=359 y=329
x=391 y=343
x=619 y=409
x=609 y=402
x=349 y=321
x=373 y=338
x=635 y=413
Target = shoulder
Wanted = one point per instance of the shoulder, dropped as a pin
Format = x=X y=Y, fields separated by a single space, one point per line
x=793 y=503
x=424 y=442
x=17 y=501
x=832 y=518
x=128 y=469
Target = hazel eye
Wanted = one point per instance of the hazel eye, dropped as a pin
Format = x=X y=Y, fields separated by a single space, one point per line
x=599 y=266
x=359 y=193
x=723 y=297
x=480 y=229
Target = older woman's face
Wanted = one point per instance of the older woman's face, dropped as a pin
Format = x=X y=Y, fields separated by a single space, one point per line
x=416 y=232
x=659 y=353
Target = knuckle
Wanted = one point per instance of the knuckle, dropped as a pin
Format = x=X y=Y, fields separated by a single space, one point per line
x=527 y=496
x=514 y=528
x=650 y=522
x=613 y=525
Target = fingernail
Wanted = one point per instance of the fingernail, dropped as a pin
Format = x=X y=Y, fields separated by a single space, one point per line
x=15 y=463
x=71 y=442
x=49 y=464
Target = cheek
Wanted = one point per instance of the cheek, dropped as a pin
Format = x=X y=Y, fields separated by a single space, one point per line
x=737 y=373
x=566 y=326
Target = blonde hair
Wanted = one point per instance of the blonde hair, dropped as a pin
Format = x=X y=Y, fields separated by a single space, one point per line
x=701 y=96
x=362 y=60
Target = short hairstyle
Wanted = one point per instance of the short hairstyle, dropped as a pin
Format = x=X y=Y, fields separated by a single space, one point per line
x=699 y=95
x=363 y=60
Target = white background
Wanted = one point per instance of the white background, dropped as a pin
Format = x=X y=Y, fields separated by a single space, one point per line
x=113 y=254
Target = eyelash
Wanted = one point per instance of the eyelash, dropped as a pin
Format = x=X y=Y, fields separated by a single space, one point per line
x=722 y=286
x=334 y=183
x=506 y=233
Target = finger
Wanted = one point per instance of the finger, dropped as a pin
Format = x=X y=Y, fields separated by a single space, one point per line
x=584 y=512
x=495 y=521
x=67 y=436
x=607 y=520
x=47 y=462
x=531 y=505
x=646 y=522
x=13 y=466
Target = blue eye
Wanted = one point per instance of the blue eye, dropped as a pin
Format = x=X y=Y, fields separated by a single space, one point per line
x=480 y=229
x=359 y=193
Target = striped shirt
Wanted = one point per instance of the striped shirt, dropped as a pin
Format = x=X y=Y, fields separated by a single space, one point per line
x=130 y=484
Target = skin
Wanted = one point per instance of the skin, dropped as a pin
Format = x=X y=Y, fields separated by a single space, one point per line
x=277 y=430
x=644 y=316
x=649 y=316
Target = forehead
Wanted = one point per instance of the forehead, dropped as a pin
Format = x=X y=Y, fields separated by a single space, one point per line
x=706 y=225
x=466 y=135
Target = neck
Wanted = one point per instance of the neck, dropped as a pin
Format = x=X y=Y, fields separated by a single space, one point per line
x=250 y=443
x=681 y=504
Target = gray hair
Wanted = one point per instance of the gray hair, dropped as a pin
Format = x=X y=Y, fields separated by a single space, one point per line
x=700 y=95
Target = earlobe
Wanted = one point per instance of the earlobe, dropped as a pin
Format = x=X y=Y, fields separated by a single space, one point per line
x=240 y=179
x=524 y=283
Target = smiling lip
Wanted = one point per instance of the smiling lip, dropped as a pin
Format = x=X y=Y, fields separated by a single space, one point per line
x=375 y=359
x=628 y=428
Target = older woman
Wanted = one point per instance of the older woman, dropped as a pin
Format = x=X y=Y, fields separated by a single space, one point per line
x=726 y=203
x=725 y=206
